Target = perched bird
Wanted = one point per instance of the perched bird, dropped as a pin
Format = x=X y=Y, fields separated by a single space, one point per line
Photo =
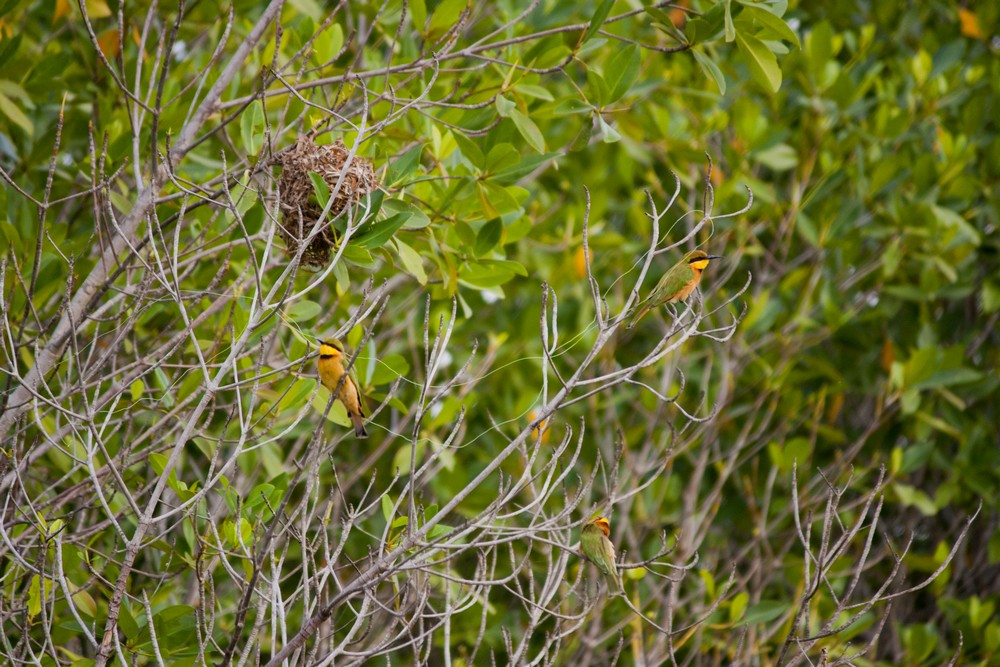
x=599 y=550
x=677 y=283
x=331 y=369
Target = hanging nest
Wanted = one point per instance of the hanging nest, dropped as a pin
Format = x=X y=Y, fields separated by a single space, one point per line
x=299 y=205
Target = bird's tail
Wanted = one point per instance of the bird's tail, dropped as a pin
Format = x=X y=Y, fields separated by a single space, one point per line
x=638 y=316
x=359 y=426
x=615 y=583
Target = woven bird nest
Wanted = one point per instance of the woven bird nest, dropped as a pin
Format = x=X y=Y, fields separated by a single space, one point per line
x=300 y=206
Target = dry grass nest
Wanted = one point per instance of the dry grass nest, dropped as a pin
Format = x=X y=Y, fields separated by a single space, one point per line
x=299 y=204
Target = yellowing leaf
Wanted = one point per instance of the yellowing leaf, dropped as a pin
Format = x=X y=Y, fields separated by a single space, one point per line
x=62 y=8
x=412 y=262
x=98 y=9
x=763 y=64
x=14 y=113
x=969 y=23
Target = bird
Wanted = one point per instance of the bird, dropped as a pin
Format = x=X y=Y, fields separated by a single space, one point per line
x=331 y=370
x=597 y=547
x=677 y=284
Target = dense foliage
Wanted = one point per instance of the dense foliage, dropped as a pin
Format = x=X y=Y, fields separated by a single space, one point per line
x=779 y=458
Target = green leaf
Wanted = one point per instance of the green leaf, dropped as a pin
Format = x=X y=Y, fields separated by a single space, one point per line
x=622 y=71
x=417 y=220
x=328 y=44
x=504 y=106
x=763 y=65
x=252 y=128
x=445 y=16
x=34 y=596
x=773 y=25
x=738 y=605
x=303 y=311
x=528 y=130
x=9 y=46
x=597 y=20
x=378 y=233
x=766 y=611
x=991 y=297
x=418 y=12
x=258 y=494
x=159 y=462
x=950 y=218
x=609 y=135
x=402 y=167
x=570 y=106
x=470 y=150
x=485 y=275
x=945 y=378
x=320 y=187
x=711 y=69
x=14 y=113
x=780 y=157
x=501 y=157
x=387 y=505
x=730 y=29
x=598 y=87
x=388 y=368
x=359 y=256
x=538 y=92
x=412 y=262
x=913 y=497
x=496 y=200
x=488 y=237
x=527 y=165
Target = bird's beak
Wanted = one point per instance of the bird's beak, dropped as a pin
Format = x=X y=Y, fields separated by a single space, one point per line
x=715 y=257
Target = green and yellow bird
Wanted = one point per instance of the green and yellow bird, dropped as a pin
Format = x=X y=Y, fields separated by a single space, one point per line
x=677 y=284
x=596 y=544
x=331 y=369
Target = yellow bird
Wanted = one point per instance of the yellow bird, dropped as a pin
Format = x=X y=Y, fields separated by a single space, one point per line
x=331 y=370
x=677 y=283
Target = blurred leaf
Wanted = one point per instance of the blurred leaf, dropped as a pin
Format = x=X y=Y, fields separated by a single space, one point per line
x=912 y=497
x=766 y=611
x=781 y=157
x=445 y=16
x=14 y=113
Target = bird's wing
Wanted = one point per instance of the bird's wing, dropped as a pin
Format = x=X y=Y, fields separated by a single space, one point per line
x=671 y=283
x=357 y=386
